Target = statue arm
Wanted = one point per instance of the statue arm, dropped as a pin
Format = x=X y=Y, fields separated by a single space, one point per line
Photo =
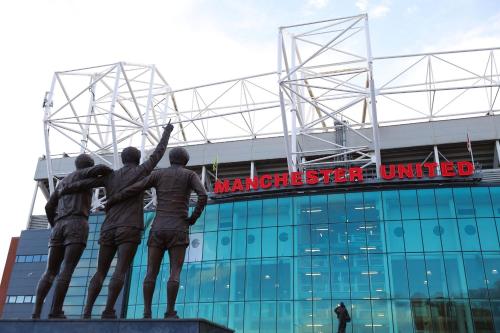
x=51 y=206
x=133 y=189
x=82 y=185
x=157 y=154
x=198 y=188
x=96 y=171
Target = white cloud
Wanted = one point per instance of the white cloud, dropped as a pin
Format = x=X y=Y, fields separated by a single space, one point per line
x=377 y=10
x=362 y=5
x=318 y=4
x=412 y=9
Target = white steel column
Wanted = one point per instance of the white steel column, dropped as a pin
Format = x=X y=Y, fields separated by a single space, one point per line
x=145 y=123
x=33 y=200
x=252 y=169
x=373 y=101
x=436 y=159
x=497 y=146
x=47 y=104
x=294 y=110
x=116 y=162
x=85 y=135
x=203 y=175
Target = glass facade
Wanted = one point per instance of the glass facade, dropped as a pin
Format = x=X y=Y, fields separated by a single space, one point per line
x=409 y=260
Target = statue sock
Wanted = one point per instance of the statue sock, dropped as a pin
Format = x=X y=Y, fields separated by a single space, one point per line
x=41 y=292
x=59 y=295
x=148 y=289
x=172 y=290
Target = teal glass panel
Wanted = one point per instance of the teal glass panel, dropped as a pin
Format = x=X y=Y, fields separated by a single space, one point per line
x=269 y=242
x=482 y=201
x=402 y=318
x=394 y=236
x=482 y=316
x=382 y=316
x=192 y=282
x=356 y=235
x=495 y=311
x=221 y=313
x=474 y=272
x=427 y=204
x=417 y=277
x=468 y=234
x=254 y=214
x=495 y=200
x=252 y=283
x=222 y=281
x=340 y=283
x=211 y=217
x=392 y=209
x=239 y=244
x=319 y=239
x=302 y=274
x=285 y=241
x=491 y=262
x=422 y=316
x=236 y=315
x=322 y=316
x=463 y=202
x=207 y=281
x=303 y=314
x=268 y=279
x=444 y=202
x=252 y=317
x=449 y=234
x=409 y=204
x=320 y=275
x=359 y=276
x=269 y=212
x=362 y=312
x=374 y=210
x=412 y=235
x=302 y=240
x=455 y=275
x=488 y=234
x=436 y=275
x=268 y=317
x=302 y=209
x=237 y=280
x=379 y=276
x=355 y=207
x=254 y=243
x=224 y=244
x=338 y=238
x=240 y=218
x=209 y=246
x=431 y=235
x=375 y=236
x=319 y=209
x=284 y=279
x=285 y=211
x=284 y=323
x=226 y=216
x=336 y=208
x=205 y=310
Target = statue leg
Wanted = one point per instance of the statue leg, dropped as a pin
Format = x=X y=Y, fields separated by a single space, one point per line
x=155 y=256
x=56 y=256
x=72 y=254
x=176 y=255
x=106 y=255
x=126 y=253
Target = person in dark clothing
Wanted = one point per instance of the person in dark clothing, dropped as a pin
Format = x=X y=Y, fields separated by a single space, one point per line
x=342 y=316
x=122 y=229
x=68 y=217
x=170 y=228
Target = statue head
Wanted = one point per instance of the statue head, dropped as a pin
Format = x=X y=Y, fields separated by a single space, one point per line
x=131 y=155
x=84 y=161
x=178 y=156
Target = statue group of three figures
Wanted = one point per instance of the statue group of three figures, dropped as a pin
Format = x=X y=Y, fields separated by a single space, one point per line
x=121 y=233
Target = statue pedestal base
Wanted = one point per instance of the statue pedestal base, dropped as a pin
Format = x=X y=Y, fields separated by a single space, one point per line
x=111 y=326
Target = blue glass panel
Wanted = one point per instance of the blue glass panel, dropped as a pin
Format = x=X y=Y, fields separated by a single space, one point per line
x=375 y=236
x=355 y=207
x=211 y=217
x=495 y=199
x=192 y=283
x=252 y=317
x=302 y=209
x=285 y=241
x=221 y=313
x=319 y=239
x=379 y=277
x=320 y=274
x=449 y=234
x=207 y=281
x=254 y=246
x=417 y=277
x=468 y=234
x=236 y=315
x=444 y=202
x=381 y=316
x=285 y=211
x=182 y=289
x=341 y=286
x=209 y=246
x=392 y=209
x=240 y=215
x=205 y=310
x=302 y=274
x=319 y=209
x=492 y=269
x=431 y=235
x=322 y=316
x=285 y=273
x=222 y=281
x=252 y=283
x=303 y=317
x=474 y=271
x=268 y=276
x=269 y=212
x=436 y=276
x=463 y=202
x=359 y=276
x=455 y=275
x=269 y=242
x=482 y=201
x=488 y=234
x=394 y=236
x=356 y=235
x=302 y=240
x=427 y=204
x=361 y=315
x=338 y=238
x=402 y=316
x=239 y=244
x=373 y=206
x=412 y=235
x=409 y=204
x=284 y=323
x=268 y=317
x=254 y=214
x=226 y=216
x=224 y=244
x=336 y=208
x=237 y=283
x=482 y=316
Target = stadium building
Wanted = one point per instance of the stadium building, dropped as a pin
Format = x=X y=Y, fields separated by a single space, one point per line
x=340 y=177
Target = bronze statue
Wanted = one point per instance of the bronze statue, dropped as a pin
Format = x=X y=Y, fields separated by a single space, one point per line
x=68 y=217
x=170 y=228
x=124 y=223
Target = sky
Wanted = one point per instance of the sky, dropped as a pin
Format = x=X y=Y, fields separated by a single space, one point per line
x=191 y=42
